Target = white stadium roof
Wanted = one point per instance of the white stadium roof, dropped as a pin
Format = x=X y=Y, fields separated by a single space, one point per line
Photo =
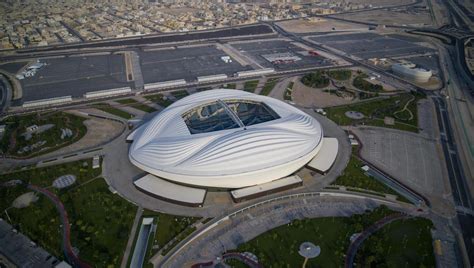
x=226 y=139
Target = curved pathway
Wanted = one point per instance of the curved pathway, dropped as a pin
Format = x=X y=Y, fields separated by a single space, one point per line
x=229 y=231
x=354 y=246
x=72 y=258
x=406 y=109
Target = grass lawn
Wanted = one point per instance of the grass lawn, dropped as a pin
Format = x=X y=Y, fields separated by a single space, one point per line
x=168 y=227
x=127 y=101
x=316 y=79
x=268 y=87
x=229 y=86
x=353 y=176
x=376 y=110
x=279 y=247
x=180 y=94
x=137 y=105
x=362 y=84
x=100 y=221
x=340 y=75
x=409 y=245
x=159 y=99
x=12 y=141
x=112 y=110
x=288 y=91
x=250 y=86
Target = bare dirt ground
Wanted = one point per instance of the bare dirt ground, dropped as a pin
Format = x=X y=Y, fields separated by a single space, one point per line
x=390 y=17
x=307 y=96
x=376 y=2
x=321 y=25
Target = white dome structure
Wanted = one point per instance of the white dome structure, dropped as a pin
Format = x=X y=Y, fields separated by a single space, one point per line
x=226 y=139
x=412 y=71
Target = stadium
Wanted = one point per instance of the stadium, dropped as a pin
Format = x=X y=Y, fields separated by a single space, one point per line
x=224 y=139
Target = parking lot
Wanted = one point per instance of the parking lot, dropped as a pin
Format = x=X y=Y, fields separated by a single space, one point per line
x=74 y=76
x=185 y=63
x=13 y=67
x=430 y=62
x=372 y=45
x=256 y=49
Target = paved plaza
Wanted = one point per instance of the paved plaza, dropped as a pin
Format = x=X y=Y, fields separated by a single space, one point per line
x=410 y=158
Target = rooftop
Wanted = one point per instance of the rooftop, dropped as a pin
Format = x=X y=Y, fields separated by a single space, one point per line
x=228 y=114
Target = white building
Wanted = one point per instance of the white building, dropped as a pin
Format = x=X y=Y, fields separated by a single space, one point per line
x=226 y=139
x=412 y=71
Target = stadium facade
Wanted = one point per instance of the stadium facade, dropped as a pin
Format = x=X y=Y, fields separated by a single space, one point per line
x=226 y=139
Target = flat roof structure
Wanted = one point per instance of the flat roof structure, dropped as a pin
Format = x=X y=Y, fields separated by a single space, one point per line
x=326 y=157
x=225 y=139
x=170 y=191
x=266 y=188
x=141 y=244
x=21 y=251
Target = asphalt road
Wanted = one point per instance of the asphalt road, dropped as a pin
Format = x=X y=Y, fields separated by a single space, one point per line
x=5 y=94
x=256 y=29
x=459 y=187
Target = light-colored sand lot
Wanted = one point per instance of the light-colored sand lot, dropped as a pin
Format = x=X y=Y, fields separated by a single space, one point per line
x=390 y=17
x=315 y=97
x=319 y=25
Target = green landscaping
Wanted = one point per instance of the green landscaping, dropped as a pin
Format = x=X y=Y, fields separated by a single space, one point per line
x=361 y=83
x=279 y=247
x=287 y=95
x=137 y=105
x=101 y=222
x=127 y=101
x=402 y=243
x=40 y=221
x=376 y=110
x=251 y=85
x=268 y=87
x=340 y=75
x=112 y=110
x=354 y=176
x=180 y=94
x=317 y=80
x=13 y=143
x=159 y=99
x=229 y=86
x=168 y=227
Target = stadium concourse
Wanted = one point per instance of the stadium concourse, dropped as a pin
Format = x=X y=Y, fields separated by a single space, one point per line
x=249 y=144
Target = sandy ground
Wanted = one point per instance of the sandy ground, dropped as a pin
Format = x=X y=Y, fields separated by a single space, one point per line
x=321 y=25
x=307 y=96
x=390 y=17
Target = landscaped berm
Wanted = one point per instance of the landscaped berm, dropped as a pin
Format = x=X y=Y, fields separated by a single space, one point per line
x=39 y=133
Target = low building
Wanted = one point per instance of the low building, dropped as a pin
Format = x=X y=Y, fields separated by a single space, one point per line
x=412 y=71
